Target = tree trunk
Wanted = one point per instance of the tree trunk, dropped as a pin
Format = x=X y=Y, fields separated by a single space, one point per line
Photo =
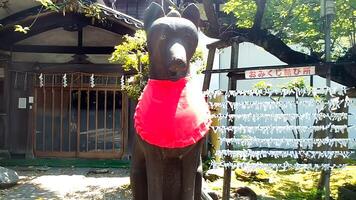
x=323 y=134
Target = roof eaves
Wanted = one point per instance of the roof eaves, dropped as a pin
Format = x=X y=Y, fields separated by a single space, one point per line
x=127 y=19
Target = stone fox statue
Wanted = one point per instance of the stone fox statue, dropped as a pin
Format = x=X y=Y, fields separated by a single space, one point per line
x=171 y=117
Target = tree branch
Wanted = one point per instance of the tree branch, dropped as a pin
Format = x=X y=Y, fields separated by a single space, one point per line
x=345 y=74
x=272 y=44
x=213 y=26
x=170 y=3
x=287 y=18
x=350 y=55
x=288 y=122
x=261 y=7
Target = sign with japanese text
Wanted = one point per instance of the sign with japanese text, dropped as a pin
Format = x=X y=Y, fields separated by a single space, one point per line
x=280 y=72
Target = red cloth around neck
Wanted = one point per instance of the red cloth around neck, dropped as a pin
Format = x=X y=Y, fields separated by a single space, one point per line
x=172 y=114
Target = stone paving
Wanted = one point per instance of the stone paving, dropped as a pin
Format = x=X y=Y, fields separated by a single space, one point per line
x=68 y=183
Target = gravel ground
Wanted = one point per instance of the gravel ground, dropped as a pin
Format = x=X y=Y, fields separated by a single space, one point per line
x=68 y=183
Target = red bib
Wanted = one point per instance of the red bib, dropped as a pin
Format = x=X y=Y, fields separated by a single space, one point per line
x=172 y=114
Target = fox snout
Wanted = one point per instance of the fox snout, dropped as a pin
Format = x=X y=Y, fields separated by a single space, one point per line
x=177 y=58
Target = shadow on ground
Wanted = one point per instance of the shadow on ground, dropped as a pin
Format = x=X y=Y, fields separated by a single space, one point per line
x=69 y=183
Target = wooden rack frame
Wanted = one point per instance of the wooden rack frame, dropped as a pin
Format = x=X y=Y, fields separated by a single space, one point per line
x=62 y=110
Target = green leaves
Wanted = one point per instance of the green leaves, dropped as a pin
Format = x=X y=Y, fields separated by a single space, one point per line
x=21 y=29
x=88 y=8
x=45 y=3
x=244 y=11
x=49 y=4
x=93 y=11
x=294 y=84
x=297 y=83
x=262 y=85
x=131 y=54
x=130 y=51
x=298 y=22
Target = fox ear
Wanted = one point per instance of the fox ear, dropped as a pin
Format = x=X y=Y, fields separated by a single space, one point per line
x=153 y=12
x=191 y=12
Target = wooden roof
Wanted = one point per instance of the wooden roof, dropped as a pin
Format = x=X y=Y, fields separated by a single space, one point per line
x=24 y=15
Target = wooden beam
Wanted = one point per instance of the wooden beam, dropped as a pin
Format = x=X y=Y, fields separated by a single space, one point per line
x=96 y=118
x=209 y=66
x=59 y=49
x=7 y=100
x=113 y=121
x=80 y=37
x=52 y=20
x=34 y=130
x=69 y=67
x=206 y=86
x=230 y=134
x=70 y=113
x=220 y=44
x=212 y=18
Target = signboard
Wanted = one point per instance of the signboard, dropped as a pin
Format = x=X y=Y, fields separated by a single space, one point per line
x=280 y=72
x=22 y=103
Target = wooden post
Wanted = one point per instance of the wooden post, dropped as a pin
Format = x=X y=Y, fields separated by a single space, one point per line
x=96 y=118
x=70 y=113
x=44 y=114
x=88 y=118
x=7 y=98
x=113 y=121
x=35 y=105
x=105 y=112
x=52 y=112
x=230 y=134
x=206 y=85
x=78 y=118
x=209 y=66
x=329 y=134
x=61 y=128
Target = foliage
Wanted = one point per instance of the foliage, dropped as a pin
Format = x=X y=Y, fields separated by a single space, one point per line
x=299 y=22
x=19 y=28
x=303 y=195
x=87 y=7
x=259 y=175
x=262 y=85
x=207 y=162
x=131 y=54
x=48 y=4
x=295 y=84
x=130 y=51
x=294 y=185
x=244 y=11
